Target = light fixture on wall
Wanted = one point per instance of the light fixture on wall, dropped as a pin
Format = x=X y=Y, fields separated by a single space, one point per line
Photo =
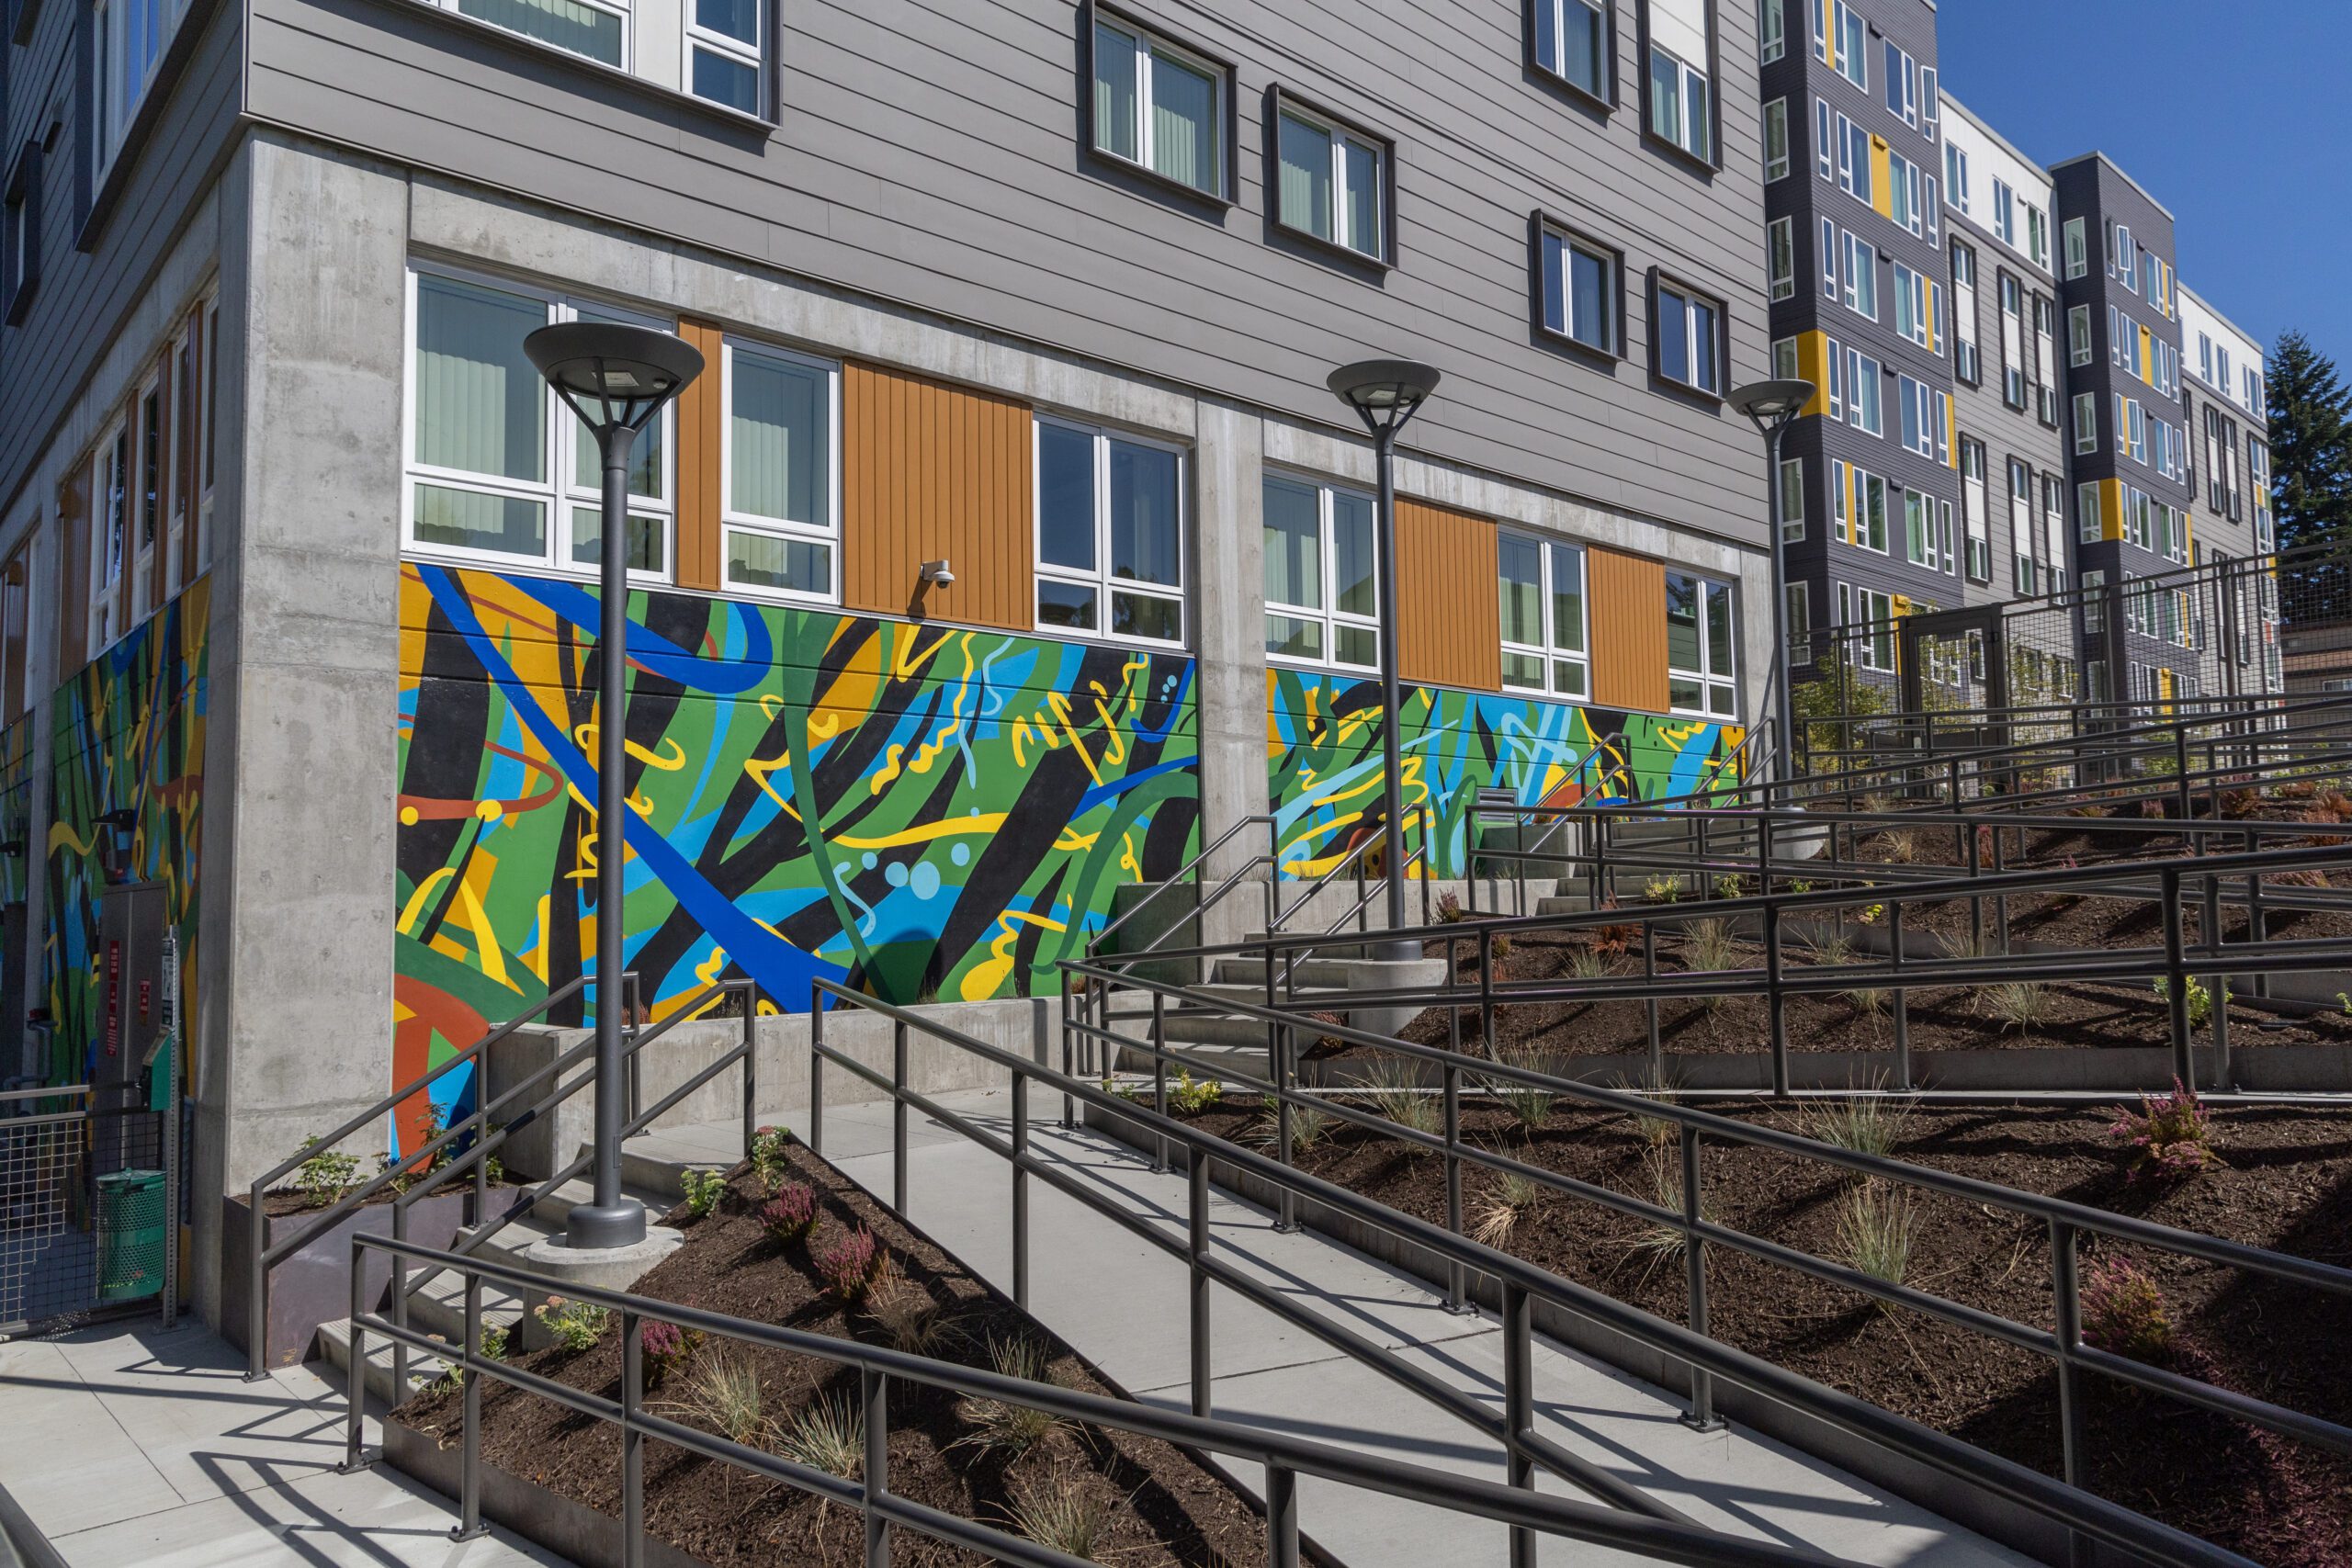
x=615 y=378
x=1385 y=394
x=937 y=573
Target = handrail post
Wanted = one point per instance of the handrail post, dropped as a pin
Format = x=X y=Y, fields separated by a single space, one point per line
x=2066 y=1290
x=470 y=1525
x=1486 y=990
x=1902 y=996
x=898 y=1117
x=2224 y=1077
x=355 y=1453
x=1702 y=1416
x=874 y=1388
x=1282 y=1517
x=1519 y=1408
x=2001 y=900
x=1776 y=998
x=1649 y=1002
x=258 y=1289
x=2184 y=1062
x=751 y=995
x=482 y=1134
x=1456 y=1282
x=1069 y=1109
x=399 y=1303
x=1196 y=1244
x=1020 y=1189
x=1274 y=874
x=632 y=1441
x=815 y=1070
x=1159 y=1077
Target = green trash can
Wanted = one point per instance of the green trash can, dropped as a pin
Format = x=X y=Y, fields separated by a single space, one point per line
x=131 y=1235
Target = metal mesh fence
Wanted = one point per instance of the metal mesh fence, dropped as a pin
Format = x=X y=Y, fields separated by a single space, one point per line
x=47 y=1254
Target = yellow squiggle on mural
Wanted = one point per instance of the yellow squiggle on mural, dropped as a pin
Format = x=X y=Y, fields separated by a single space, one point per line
x=415 y=905
x=1061 y=705
x=981 y=981
x=1072 y=840
x=923 y=832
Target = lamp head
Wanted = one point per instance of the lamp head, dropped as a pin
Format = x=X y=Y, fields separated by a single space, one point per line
x=1384 y=389
x=613 y=374
x=1772 y=403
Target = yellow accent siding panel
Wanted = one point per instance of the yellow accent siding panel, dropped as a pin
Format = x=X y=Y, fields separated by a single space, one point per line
x=1449 y=606
x=934 y=471
x=1812 y=364
x=1627 y=595
x=1881 y=178
x=2111 y=509
x=1951 y=433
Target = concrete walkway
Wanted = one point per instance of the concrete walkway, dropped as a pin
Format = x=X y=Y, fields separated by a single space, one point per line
x=130 y=1446
x=1122 y=1303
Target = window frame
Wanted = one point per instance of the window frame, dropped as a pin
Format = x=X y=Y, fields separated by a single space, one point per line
x=1777 y=111
x=1707 y=73
x=1550 y=654
x=1781 y=246
x=21 y=234
x=1661 y=284
x=558 y=490
x=2086 y=433
x=1706 y=676
x=1327 y=492
x=736 y=51
x=1546 y=228
x=1342 y=132
x=1150 y=37
x=1604 y=96
x=1101 y=578
x=730 y=519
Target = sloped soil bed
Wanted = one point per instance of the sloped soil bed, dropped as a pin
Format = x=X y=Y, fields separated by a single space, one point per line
x=2286 y=1185
x=1941 y=1019
x=1158 y=1504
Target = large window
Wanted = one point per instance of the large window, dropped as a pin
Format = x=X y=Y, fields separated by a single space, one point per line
x=1542 y=615
x=724 y=46
x=111 y=544
x=1159 y=107
x=1572 y=44
x=1781 y=255
x=1110 y=534
x=1332 y=182
x=1700 y=669
x=1975 y=519
x=2085 y=422
x=498 y=471
x=1964 y=361
x=126 y=39
x=1322 y=582
x=1681 y=106
x=779 y=453
x=1580 y=291
x=1688 y=330
x=1776 y=140
x=1793 y=498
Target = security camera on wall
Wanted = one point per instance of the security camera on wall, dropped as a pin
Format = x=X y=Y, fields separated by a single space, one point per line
x=938 y=573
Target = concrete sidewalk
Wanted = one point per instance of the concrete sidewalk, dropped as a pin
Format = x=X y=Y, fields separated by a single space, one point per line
x=130 y=1444
x=1122 y=1302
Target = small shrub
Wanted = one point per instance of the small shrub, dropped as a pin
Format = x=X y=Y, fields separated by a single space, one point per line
x=2124 y=1313
x=1863 y=1125
x=1449 y=908
x=1663 y=890
x=1800 y=884
x=828 y=1435
x=1528 y=1103
x=1186 y=1097
x=1512 y=1197
x=1500 y=946
x=909 y=1316
x=326 y=1175
x=494 y=1341
x=1010 y=1431
x=791 y=1213
x=1060 y=1514
x=2201 y=999
x=1869 y=1004
x=1830 y=951
x=1710 y=946
x=1871 y=914
x=704 y=1188
x=1396 y=1094
x=576 y=1325
x=722 y=1393
x=665 y=1348
x=2170 y=1136
x=2018 y=1004
x=1876 y=1229
x=766 y=1153
x=852 y=1265
x=1900 y=844
x=1614 y=939
x=1730 y=884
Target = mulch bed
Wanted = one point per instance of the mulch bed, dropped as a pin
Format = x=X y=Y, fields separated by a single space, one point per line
x=1159 y=1505
x=2286 y=1185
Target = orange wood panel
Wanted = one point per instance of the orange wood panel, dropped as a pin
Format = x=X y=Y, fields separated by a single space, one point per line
x=74 y=568
x=934 y=471
x=702 y=409
x=1448 y=614
x=1627 y=595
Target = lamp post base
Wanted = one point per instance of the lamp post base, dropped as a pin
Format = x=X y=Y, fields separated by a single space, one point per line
x=593 y=1227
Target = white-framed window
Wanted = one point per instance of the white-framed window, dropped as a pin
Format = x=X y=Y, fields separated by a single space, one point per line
x=2012 y=342
x=725 y=52
x=1907 y=201
x=2090 y=524
x=1858 y=274
x=1780 y=250
x=1544 y=615
x=1580 y=283
x=2053 y=530
x=1688 y=331
x=1793 y=498
x=1956 y=176
x=2045 y=358
x=1110 y=534
x=1864 y=409
x=1322 y=574
x=2078 y=255
x=1159 y=106
x=1869 y=511
x=1772 y=30
x=1700 y=665
x=126 y=43
x=1825 y=156
x=1854 y=159
x=150 y=438
x=779 y=460
x=1784 y=359
x=1850 y=35
x=499 y=471
x=2004 y=212
x=110 y=542
x=1925 y=419
x=1965 y=362
x=1572 y=44
x=2085 y=422
x=1870 y=608
x=1975 y=521
x=1332 y=182
x=1919 y=528
x=2080 y=349
x=1776 y=140
x=2027 y=573
x=1915 y=307
x=1681 y=102
x=1800 y=622
x=2037 y=235
x=1903 y=86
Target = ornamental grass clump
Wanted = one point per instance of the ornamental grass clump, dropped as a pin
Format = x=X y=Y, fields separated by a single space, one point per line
x=2170 y=1136
x=1876 y=1230
x=852 y=1265
x=1005 y=1429
x=2124 y=1313
x=1060 y=1514
x=791 y=1213
x=828 y=1435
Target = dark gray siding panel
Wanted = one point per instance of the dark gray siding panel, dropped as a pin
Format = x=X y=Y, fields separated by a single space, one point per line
x=929 y=153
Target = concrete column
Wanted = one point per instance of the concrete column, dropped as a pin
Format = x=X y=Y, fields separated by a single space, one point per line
x=1232 y=642
x=299 y=873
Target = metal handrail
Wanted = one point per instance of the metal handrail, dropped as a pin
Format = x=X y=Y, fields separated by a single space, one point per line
x=1283 y=1457
x=1522 y=1284
x=1191 y=867
x=1354 y=860
x=2065 y=1222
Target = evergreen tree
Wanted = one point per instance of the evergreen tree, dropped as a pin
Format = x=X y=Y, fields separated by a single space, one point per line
x=2310 y=447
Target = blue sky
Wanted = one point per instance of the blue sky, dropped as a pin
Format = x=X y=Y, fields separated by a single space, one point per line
x=2201 y=103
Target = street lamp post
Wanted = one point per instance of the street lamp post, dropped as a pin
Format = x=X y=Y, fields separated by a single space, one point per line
x=1773 y=406
x=617 y=379
x=1385 y=394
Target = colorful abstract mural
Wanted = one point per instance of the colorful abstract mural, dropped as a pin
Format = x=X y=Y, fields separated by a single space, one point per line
x=1323 y=743
x=925 y=811
x=127 y=742
x=16 y=808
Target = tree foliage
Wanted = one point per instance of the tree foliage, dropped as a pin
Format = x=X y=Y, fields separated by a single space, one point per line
x=2310 y=447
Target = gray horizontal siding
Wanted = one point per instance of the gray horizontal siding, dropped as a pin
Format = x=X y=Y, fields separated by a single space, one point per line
x=929 y=154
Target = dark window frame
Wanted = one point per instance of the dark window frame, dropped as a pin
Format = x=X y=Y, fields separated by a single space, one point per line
x=1278 y=95
x=1605 y=103
x=1658 y=377
x=1224 y=196
x=1541 y=223
x=23 y=208
x=1713 y=163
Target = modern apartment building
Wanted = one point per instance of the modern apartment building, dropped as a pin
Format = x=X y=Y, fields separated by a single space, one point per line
x=2225 y=405
x=299 y=654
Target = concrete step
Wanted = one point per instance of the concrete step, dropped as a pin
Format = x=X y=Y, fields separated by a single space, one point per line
x=1315 y=972
x=335 y=1343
